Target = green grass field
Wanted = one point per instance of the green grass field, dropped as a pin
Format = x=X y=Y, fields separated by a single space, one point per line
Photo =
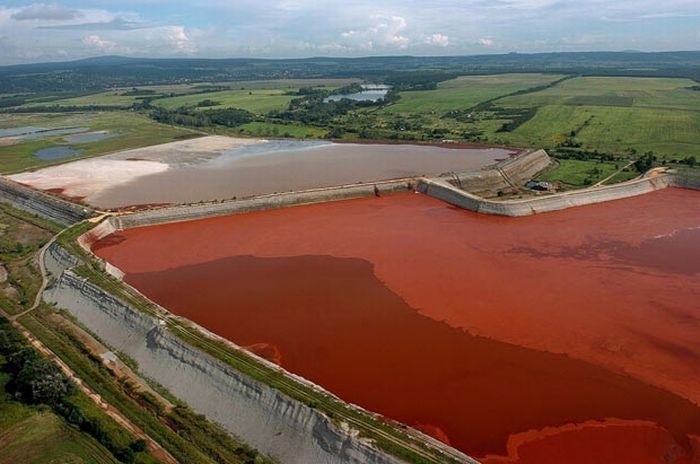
x=465 y=92
x=28 y=435
x=134 y=130
x=614 y=91
x=578 y=173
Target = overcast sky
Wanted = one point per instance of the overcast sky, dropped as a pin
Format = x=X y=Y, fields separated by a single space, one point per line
x=31 y=32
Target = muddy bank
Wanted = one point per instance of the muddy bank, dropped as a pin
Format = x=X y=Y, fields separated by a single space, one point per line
x=573 y=307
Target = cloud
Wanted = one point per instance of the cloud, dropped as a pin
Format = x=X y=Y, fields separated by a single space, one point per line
x=384 y=33
x=177 y=36
x=439 y=40
x=41 y=11
x=115 y=24
x=39 y=31
x=95 y=41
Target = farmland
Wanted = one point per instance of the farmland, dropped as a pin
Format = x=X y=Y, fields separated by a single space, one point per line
x=465 y=92
x=612 y=114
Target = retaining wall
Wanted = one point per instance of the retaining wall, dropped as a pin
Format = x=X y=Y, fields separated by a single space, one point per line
x=268 y=420
x=263 y=202
x=41 y=204
x=685 y=178
x=445 y=191
x=505 y=177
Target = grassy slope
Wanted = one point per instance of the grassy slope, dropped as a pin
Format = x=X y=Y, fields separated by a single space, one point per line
x=134 y=131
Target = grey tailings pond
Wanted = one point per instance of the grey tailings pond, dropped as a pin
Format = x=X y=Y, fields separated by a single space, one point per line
x=218 y=167
x=282 y=166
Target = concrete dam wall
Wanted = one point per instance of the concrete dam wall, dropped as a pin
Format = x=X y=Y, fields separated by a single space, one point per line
x=505 y=177
x=41 y=204
x=263 y=202
x=445 y=191
x=685 y=178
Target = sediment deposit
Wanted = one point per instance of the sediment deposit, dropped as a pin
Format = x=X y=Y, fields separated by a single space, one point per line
x=216 y=168
x=593 y=319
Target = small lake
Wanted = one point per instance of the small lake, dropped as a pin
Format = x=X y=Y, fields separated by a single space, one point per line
x=89 y=137
x=371 y=93
x=35 y=133
x=54 y=153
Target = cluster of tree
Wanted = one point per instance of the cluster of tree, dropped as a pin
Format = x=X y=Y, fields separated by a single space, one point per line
x=34 y=380
x=228 y=117
x=349 y=89
x=645 y=162
x=207 y=103
x=135 y=92
x=306 y=91
x=690 y=161
x=583 y=155
x=61 y=109
x=418 y=80
x=312 y=110
x=13 y=100
x=517 y=117
x=405 y=72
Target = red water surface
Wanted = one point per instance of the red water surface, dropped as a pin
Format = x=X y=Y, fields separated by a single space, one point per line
x=565 y=337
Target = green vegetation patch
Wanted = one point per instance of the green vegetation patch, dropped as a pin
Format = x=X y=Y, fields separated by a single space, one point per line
x=44 y=418
x=270 y=129
x=259 y=101
x=21 y=236
x=42 y=437
x=584 y=173
x=132 y=130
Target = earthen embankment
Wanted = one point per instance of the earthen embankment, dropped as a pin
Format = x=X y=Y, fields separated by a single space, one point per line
x=289 y=430
x=41 y=204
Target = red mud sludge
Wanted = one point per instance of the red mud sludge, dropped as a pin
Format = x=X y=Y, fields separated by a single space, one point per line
x=566 y=337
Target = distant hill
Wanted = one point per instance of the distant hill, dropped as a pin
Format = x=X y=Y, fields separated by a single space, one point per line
x=110 y=71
